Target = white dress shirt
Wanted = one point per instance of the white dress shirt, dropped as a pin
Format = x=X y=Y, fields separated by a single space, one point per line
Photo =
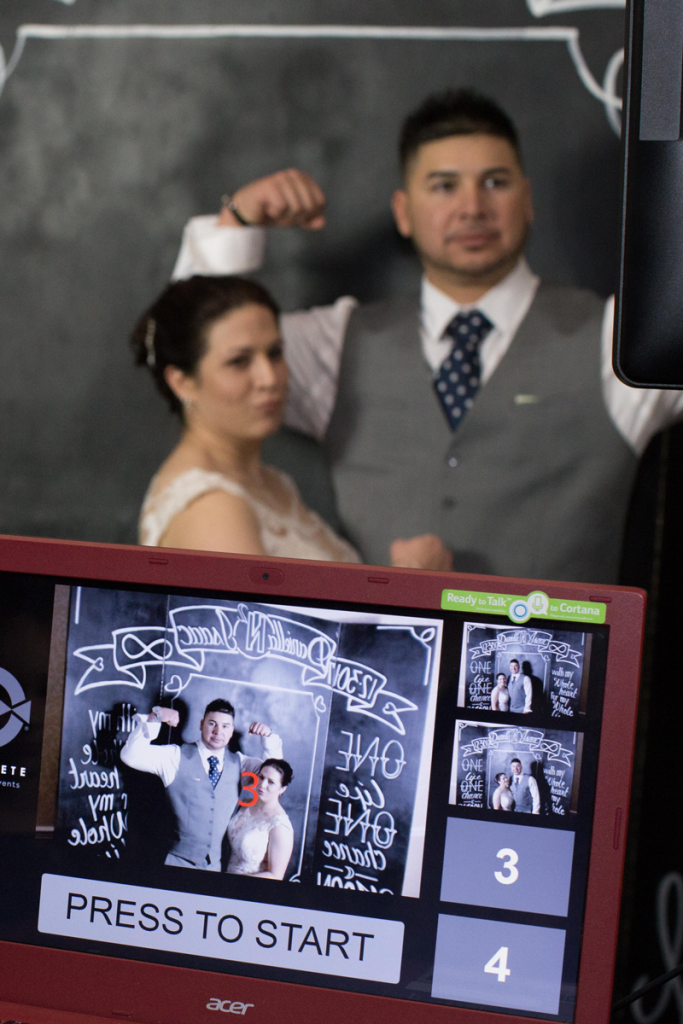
x=314 y=338
x=138 y=752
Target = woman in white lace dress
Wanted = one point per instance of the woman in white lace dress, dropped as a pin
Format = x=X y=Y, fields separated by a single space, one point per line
x=503 y=800
x=261 y=836
x=214 y=349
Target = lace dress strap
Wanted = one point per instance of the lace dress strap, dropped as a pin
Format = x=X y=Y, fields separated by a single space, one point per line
x=159 y=509
x=281 y=819
x=296 y=532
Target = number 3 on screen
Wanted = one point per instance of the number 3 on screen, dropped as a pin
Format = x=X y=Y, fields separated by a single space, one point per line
x=509 y=858
x=251 y=788
x=498 y=964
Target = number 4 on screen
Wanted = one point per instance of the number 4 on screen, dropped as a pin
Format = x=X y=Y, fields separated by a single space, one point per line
x=498 y=964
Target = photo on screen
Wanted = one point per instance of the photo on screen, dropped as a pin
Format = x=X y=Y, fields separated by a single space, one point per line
x=515 y=770
x=524 y=670
x=346 y=699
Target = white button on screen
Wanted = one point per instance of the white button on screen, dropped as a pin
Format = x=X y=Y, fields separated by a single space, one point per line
x=512 y=867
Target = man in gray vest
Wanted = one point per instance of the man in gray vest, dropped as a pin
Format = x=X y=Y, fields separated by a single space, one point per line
x=524 y=789
x=480 y=409
x=520 y=690
x=202 y=779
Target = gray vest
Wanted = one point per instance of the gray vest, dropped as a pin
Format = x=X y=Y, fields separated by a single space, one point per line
x=203 y=812
x=517 y=693
x=521 y=793
x=536 y=481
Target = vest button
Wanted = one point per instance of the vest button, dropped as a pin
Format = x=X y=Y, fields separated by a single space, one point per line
x=452 y=462
x=448 y=503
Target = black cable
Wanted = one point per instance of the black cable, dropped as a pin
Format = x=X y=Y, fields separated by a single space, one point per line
x=639 y=992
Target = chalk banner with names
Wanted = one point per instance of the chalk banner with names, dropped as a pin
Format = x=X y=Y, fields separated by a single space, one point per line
x=536 y=605
x=293 y=938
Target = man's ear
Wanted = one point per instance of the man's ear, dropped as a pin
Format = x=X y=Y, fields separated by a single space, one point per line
x=400 y=210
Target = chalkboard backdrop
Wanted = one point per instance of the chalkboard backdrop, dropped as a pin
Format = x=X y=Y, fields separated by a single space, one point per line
x=349 y=699
x=551 y=757
x=108 y=144
x=555 y=661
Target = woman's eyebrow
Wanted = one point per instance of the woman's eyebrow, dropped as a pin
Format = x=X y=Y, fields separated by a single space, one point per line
x=242 y=350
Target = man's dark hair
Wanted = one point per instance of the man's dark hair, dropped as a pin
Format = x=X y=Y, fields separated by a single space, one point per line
x=454 y=112
x=219 y=705
x=513 y=661
x=513 y=759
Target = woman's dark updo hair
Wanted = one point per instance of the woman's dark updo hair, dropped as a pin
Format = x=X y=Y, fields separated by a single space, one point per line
x=283 y=767
x=173 y=331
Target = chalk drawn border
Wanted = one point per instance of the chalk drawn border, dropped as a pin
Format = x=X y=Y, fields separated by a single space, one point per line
x=604 y=92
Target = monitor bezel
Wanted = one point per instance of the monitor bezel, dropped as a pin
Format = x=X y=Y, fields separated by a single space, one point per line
x=116 y=988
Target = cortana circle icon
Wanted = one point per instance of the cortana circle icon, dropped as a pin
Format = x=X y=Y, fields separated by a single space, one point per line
x=519 y=610
x=15 y=710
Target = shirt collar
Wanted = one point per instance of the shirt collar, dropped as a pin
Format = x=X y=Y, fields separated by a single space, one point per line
x=500 y=304
x=205 y=753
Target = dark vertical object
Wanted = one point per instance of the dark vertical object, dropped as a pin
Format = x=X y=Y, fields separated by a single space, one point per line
x=651 y=908
x=649 y=316
x=662 y=71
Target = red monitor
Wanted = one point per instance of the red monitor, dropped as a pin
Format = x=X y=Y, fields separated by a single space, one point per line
x=448 y=848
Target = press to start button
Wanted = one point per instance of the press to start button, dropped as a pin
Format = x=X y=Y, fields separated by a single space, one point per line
x=294 y=938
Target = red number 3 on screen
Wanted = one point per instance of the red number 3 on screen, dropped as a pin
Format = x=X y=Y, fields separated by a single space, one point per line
x=251 y=788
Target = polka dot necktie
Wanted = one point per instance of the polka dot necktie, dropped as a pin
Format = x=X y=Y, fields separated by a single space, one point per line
x=457 y=381
x=214 y=773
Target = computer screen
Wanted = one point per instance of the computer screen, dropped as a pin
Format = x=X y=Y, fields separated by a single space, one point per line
x=403 y=806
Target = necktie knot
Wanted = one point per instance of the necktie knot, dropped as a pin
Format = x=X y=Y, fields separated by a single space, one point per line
x=469 y=328
x=457 y=381
x=214 y=774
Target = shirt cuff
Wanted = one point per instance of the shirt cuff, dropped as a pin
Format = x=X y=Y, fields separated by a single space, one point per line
x=272 y=746
x=150 y=730
x=211 y=249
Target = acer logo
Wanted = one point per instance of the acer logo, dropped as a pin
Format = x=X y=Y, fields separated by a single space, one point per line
x=227 y=1006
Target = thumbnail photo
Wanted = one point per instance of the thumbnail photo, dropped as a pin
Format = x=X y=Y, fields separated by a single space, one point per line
x=515 y=770
x=523 y=670
x=247 y=738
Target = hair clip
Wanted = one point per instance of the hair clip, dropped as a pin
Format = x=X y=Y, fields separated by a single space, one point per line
x=149 y=342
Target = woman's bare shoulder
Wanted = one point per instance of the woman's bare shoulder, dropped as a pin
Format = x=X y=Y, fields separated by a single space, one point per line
x=177 y=464
x=216 y=520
